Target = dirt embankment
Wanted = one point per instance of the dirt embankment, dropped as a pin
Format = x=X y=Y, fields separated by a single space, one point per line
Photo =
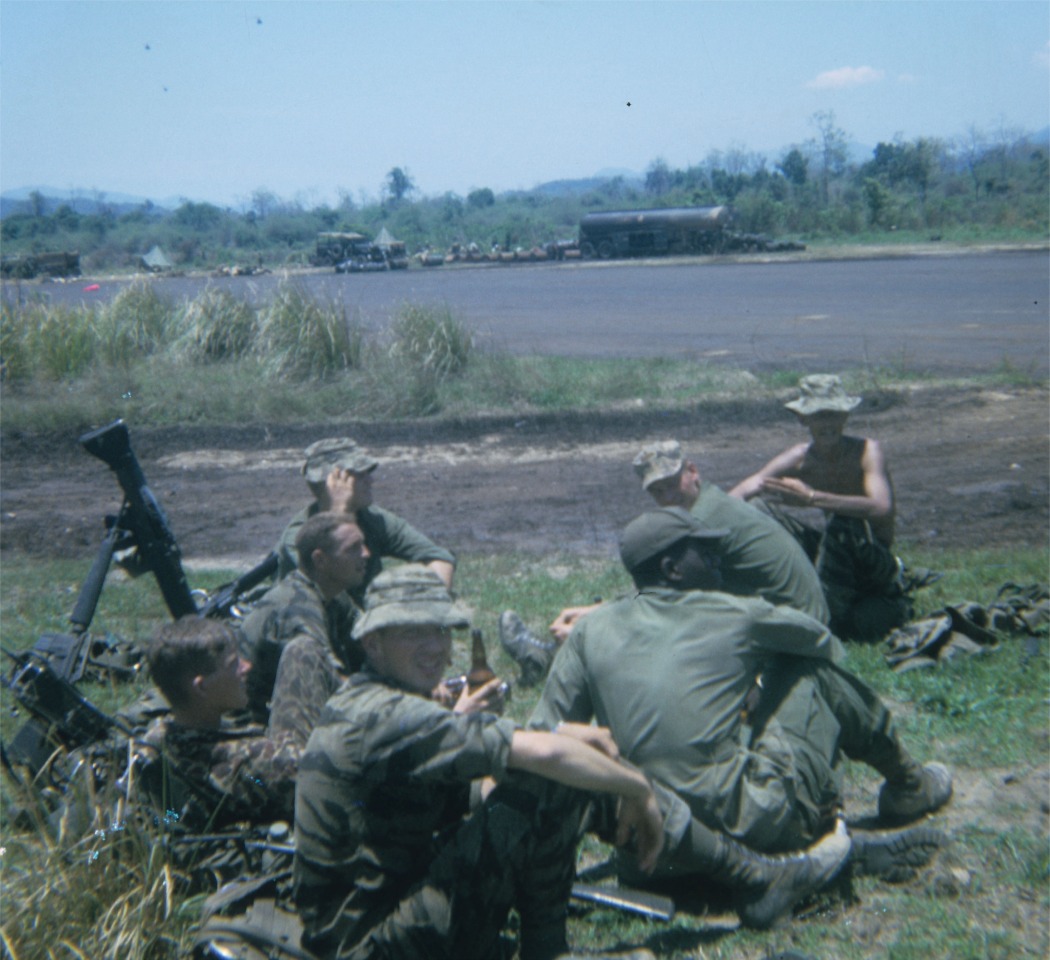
x=970 y=468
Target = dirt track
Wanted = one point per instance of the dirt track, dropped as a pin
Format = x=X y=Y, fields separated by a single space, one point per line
x=970 y=467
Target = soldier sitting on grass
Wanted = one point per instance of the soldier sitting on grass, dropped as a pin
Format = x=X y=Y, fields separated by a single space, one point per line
x=391 y=857
x=298 y=637
x=218 y=774
x=339 y=475
x=849 y=480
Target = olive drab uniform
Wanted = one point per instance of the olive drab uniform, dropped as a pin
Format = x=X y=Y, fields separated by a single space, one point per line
x=295 y=610
x=766 y=776
x=860 y=575
x=386 y=535
x=386 y=863
x=759 y=557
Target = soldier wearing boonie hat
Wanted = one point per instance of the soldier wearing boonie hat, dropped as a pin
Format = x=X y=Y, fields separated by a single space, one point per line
x=342 y=453
x=409 y=596
x=848 y=479
x=391 y=859
x=339 y=474
x=821 y=392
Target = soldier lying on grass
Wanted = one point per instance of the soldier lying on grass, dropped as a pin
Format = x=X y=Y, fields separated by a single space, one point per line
x=228 y=774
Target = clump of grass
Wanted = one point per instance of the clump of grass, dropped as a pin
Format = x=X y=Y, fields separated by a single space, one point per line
x=90 y=883
x=431 y=339
x=299 y=335
x=137 y=322
x=217 y=326
x=46 y=342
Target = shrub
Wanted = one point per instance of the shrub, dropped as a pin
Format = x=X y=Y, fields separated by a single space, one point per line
x=431 y=339
x=299 y=335
x=44 y=341
x=135 y=323
x=217 y=326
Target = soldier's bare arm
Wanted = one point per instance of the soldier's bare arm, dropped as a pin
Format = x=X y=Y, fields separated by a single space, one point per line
x=568 y=761
x=781 y=465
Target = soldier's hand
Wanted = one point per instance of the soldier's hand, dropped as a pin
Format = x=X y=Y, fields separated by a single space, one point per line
x=598 y=737
x=789 y=490
x=490 y=698
x=338 y=490
x=566 y=620
x=641 y=822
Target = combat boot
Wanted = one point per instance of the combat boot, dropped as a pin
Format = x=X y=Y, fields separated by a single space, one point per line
x=893 y=855
x=767 y=887
x=532 y=655
x=914 y=791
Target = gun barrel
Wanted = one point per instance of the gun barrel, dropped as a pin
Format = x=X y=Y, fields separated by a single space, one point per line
x=145 y=519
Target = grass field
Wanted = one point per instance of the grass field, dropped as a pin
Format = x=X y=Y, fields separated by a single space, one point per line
x=109 y=894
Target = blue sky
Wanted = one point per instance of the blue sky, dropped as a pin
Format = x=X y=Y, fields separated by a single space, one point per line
x=214 y=100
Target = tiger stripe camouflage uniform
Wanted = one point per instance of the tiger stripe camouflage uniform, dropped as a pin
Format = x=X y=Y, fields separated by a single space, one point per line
x=295 y=610
x=387 y=866
x=225 y=776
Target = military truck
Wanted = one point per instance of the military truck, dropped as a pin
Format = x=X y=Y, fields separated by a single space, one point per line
x=29 y=265
x=334 y=248
x=674 y=230
x=355 y=253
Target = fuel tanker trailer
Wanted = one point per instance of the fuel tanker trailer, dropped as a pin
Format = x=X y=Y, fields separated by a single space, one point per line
x=648 y=233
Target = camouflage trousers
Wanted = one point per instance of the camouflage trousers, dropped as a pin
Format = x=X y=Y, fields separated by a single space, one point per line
x=518 y=849
x=860 y=574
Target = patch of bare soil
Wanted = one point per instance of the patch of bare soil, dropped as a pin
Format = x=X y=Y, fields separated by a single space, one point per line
x=970 y=468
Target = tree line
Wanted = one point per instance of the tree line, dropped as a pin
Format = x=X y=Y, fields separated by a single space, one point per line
x=978 y=185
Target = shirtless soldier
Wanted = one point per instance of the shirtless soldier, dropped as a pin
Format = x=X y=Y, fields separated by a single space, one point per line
x=846 y=477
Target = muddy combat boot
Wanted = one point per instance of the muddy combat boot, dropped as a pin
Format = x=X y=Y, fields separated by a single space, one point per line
x=532 y=655
x=894 y=855
x=914 y=792
x=764 y=886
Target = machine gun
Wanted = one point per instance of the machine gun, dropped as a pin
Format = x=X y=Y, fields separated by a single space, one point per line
x=42 y=680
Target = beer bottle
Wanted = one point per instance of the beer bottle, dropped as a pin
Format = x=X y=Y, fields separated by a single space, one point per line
x=480 y=671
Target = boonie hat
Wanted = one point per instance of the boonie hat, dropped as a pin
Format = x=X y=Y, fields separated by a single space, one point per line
x=653 y=532
x=822 y=391
x=408 y=596
x=325 y=455
x=658 y=461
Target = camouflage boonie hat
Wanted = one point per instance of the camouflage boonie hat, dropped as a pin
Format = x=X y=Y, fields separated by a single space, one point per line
x=655 y=531
x=325 y=455
x=658 y=461
x=408 y=596
x=819 y=392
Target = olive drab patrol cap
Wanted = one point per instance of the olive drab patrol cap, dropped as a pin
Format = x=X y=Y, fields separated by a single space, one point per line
x=325 y=455
x=653 y=532
x=408 y=596
x=822 y=392
x=658 y=461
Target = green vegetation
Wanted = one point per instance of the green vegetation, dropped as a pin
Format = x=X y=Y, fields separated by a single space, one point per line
x=978 y=187
x=108 y=892
x=217 y=360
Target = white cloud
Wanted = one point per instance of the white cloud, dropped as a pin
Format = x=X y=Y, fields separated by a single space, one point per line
x=845 y=77
x=907 y=78
x=1042 y=57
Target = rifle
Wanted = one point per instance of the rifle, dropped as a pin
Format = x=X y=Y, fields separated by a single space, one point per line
x=224 y=600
